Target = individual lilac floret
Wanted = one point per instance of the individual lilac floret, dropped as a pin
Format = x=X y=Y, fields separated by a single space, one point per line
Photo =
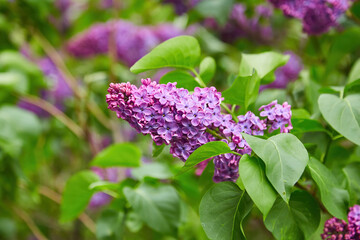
x=287 y=73
x=174 y=117
x=131 y=42
x=318 y=16
x=108 y=174
x=278 y=116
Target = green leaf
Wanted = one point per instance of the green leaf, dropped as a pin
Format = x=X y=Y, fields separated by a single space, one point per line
x=206 y=151
x=264 y=64
x=252 y=174
x=307 y=125
x=243 y=91
x=285 y=159
x=334 y=198
x=342 y=114
x=154 y=170
x=219 y=10
x=296 y=221
x=158 y=207
x=354 y=73
x=177 y=52
x=207 y=69
x=109 y=225
x=118 y=155
x=182 y=78
x=13 y=81
x=157 y=149
x=352 y=173
x=77 y=195
x=222 y=210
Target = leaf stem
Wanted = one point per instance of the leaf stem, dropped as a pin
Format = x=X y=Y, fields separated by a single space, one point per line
x=215 y=134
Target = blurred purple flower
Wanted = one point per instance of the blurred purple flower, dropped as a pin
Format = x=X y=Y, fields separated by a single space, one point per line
x=107 y=174
x=239 y=25
x=287 y=73
x=318 y=16
x=182 y=6
x=131 y=42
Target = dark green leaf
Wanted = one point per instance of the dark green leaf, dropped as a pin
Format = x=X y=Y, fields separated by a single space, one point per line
x=342 y=114
x=296 y=221
x=118 y=155
x=207 y=69
x=306 y=125
x=217 y=9
x=252 y=174
x=334 y=198
x=77 y=194
x=109 y=226
x=182 y=78
x=158 y=207
x=243 y=91
x=178 y=52
x=285 y=159
x=222 y=210
x=264 y=64
x=206 y=151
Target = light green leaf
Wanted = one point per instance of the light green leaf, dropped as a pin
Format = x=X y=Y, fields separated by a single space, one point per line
x=177 y=52
x=207 y=69
x=13 y=81
x=182 y=78
x=218 y=9
x=77 y=194
x=109 y=225
x=157 y=149
x=307 y=125
x=158 y=207
x=154 y=170
x=334 y=198
x=296 y=221
x=118 y=155
x=206 y=151
x=243 y=91
x=354 y=73
x=222 y=210
x=342 y=114
x=252 y=174
x=285 y=159
x=264 y=64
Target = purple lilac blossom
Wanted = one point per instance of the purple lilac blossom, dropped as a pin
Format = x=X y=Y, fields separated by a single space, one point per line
x=132 y=42
x=287 y=73
x=317 y=16
x=337 y=229
x=174 y=117
x=239 y=25
x=108 y=174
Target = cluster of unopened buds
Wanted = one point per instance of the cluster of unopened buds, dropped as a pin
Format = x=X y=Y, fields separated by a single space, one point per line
x=186 y=121
x=337 y=229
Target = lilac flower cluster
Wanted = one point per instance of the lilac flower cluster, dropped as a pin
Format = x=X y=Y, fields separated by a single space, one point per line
x=186 y=121
x=317 y=15
x=131 y=42
x=100 y=199
x=239 y=25
x=336 y=229
x=287 y=73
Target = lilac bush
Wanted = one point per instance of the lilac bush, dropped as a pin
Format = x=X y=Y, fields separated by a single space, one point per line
x=186 y=121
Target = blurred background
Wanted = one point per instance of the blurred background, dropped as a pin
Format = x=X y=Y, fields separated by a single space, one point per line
x=57 y=58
